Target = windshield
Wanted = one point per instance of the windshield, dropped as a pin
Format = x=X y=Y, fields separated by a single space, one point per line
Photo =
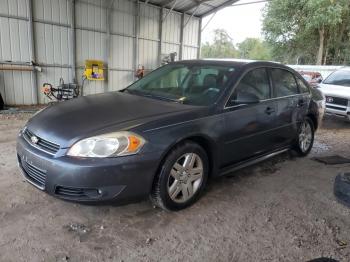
x=183 y=83
x=340 y=78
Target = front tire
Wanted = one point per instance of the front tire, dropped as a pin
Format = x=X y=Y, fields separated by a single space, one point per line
x=181 y=178
x=305 y=139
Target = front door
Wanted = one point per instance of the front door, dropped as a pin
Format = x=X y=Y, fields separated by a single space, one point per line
x=249 y=126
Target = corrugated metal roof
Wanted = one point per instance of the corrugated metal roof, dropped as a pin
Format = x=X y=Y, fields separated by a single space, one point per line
x=198 y=8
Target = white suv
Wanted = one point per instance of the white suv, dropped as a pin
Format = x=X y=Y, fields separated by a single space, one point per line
x=336 y=88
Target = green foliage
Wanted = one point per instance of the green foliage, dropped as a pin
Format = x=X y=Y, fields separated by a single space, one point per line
x=308 y=30
x=222 y=47
x=253 y=48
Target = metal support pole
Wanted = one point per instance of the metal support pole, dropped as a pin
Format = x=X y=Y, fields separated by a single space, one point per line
x=170 y=10
x=35 y=90
x=211 y=18
x=199 y=38
x=108 y=42
x=161 y=12
x=137 y=35
x=181 y=53
x=194 y=12
x=72 y=49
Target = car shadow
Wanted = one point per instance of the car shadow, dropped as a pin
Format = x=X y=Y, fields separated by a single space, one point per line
x=265 y=168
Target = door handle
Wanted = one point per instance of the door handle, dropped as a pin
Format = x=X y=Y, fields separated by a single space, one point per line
x=269 y=110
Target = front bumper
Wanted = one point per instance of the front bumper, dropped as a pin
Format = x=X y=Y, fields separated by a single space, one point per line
x=121 y=179
x=338 y=110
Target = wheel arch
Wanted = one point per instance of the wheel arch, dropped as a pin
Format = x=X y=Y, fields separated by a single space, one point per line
x=206 y=143
x=313 y=119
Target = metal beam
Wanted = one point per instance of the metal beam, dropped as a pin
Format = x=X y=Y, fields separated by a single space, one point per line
x=211 y=18
x=181 y=53
x=195 y=4
x=35 y=90
x=199 y=38
x=194 y=12
x=170 y=10
x=160 y=36
x=219 y=7
x=14 y=17
x=165 y=3
x=137 y=34
x=72 y=49
x=108 y=41
x=250 y=3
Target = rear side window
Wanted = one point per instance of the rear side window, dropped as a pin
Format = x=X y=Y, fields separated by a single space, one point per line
x=256 y=82
x=302 y=87
x=284 y=82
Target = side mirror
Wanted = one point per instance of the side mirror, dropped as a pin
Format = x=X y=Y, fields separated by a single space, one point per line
x=245 y=98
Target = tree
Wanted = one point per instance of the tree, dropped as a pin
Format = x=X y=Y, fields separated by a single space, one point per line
x=222 y=47
x=253 y=48
x=315 y=30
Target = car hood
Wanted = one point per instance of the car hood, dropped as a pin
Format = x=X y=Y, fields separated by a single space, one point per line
x=67 y=122
x=335 y=90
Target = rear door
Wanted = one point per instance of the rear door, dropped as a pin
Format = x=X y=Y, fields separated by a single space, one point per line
x=248 y=127
x=291 y=105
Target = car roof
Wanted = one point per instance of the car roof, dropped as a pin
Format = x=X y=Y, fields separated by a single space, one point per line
x=345 y=68
x=233 y=62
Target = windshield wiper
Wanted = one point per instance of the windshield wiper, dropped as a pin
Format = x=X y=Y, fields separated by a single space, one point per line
x=151 y=95
x=163 y=98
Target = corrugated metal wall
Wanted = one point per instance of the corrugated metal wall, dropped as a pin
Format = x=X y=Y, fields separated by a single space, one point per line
x=52 y=21
x=133 y=38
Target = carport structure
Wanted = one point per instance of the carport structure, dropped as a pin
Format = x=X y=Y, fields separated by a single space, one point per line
x=44 y=40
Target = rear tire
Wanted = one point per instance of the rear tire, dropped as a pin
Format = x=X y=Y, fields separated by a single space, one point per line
x=305 y=139
x=181 y=178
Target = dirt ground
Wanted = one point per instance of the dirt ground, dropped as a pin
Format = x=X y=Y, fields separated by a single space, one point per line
x=279 y=210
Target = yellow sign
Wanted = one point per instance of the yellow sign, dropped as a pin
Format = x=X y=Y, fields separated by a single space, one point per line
x=94 y=70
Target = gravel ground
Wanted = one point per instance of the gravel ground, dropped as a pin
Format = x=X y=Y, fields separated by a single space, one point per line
x=279 y=210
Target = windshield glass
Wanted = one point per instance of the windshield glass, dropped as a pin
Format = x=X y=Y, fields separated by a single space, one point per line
x=340 y=78
x=183 y=83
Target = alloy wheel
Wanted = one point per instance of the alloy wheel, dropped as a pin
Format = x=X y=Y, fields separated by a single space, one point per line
x=186 y=177
x=305 y=136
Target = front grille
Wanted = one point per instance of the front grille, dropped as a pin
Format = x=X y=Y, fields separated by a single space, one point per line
x=337 y=100
x=42 y=143
x=34 y=174
x=77 y=193
x=336 y=108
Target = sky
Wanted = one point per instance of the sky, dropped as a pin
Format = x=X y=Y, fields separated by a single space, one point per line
x=240 y=22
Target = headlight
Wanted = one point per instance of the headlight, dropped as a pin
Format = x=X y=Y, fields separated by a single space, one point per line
x=108 y=145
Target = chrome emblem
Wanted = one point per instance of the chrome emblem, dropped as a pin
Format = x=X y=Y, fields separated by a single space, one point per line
x=330 y=99
x=34 y=139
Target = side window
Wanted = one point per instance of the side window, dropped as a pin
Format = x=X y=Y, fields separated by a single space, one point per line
x=302 y=87
x=284 y=83
x=254 y=84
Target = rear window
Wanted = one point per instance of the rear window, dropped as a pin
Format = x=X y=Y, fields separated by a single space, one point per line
x=303 y=88
x=341 y=78
x=284 y=82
